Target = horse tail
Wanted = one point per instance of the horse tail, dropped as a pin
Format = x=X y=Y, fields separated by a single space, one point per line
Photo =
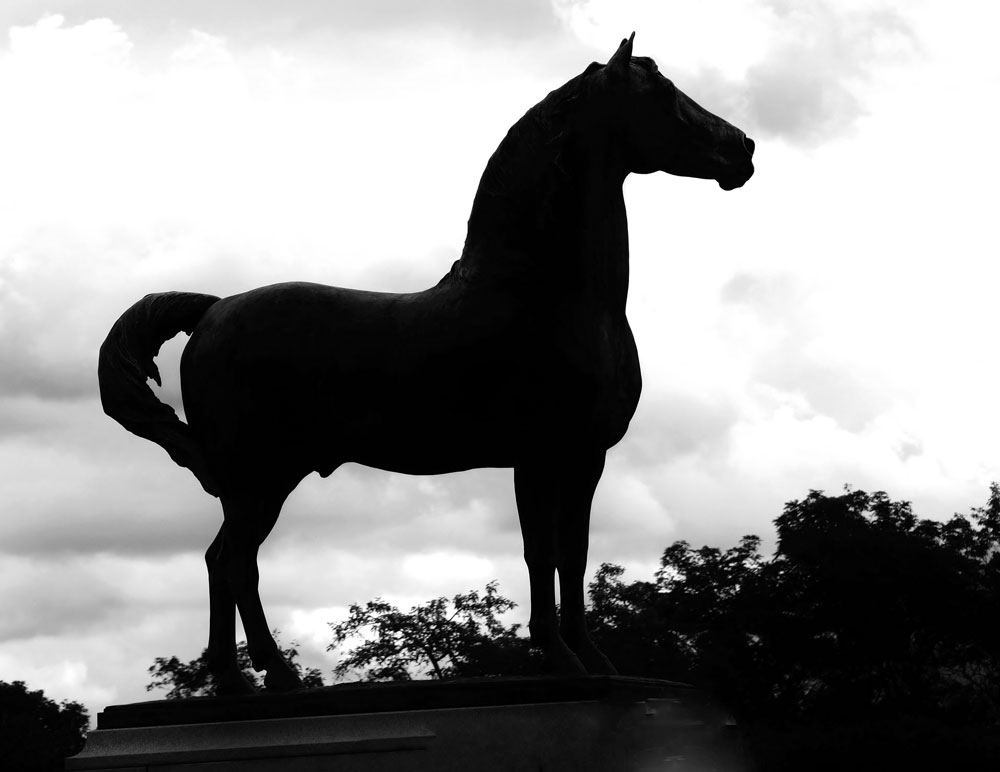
x=126 y=361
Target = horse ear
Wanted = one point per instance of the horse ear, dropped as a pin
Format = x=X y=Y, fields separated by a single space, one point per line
x=619 y=63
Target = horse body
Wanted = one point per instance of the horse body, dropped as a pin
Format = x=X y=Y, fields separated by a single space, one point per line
x=309 y=377
x=521 y=356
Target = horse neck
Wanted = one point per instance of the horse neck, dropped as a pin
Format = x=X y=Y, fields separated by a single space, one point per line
x=561 y=228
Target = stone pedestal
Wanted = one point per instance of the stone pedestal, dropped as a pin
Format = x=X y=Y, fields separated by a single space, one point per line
x=575 y=724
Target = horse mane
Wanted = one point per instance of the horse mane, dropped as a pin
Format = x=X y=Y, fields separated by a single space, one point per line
x=536 y=140
x=533 y=143
x=526 y=166
x=524 y=170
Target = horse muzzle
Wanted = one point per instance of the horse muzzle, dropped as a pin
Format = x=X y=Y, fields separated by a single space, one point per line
x=741 y=169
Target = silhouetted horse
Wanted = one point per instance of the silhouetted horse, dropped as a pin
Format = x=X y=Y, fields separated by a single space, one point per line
x=520 y=357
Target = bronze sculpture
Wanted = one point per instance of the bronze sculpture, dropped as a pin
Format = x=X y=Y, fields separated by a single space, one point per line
x=521 y=356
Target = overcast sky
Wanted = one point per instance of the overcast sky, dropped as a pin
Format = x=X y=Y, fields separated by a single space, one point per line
x=831 y=323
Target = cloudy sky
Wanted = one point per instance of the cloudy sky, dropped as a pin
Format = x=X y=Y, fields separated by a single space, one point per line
x=832 y=322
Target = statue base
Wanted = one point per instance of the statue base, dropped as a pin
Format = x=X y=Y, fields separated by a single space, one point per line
x=576 y=724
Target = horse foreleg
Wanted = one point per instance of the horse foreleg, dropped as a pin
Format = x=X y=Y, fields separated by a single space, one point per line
x=221 y=652
x=578 y=483
x=247 y=525
x=537 y=498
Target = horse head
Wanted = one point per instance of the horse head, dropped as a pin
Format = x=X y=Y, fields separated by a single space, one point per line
x=663 y=129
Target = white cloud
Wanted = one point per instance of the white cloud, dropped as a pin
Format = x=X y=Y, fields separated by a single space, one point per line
x=83 y=53
x=481 y=23
x=790 y=70
x=726 y=36
x=62 y=679
x=427 y=570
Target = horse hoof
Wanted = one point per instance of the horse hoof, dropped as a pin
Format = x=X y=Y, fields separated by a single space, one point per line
x=592 y=657
x=233 y=684
x=566 y=664
x=280 y=677
x=597 y=664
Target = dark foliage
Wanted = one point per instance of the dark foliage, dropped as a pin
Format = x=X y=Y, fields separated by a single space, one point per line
x=890 y=614
x=444 y=639
x=37 y=734
x=193 y=679
x=870 y=632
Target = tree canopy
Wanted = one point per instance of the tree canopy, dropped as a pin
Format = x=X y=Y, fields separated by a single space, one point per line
x=863 y=609
x=869 y=640
x=444 y=639
x=37 y=734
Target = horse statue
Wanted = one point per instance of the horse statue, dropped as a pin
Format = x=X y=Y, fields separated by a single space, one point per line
x=521 y=356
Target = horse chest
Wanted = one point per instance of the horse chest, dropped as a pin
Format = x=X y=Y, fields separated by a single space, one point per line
x=592 y=376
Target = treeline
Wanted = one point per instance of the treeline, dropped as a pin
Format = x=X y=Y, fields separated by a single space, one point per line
x=869 y=640
x=36 y=733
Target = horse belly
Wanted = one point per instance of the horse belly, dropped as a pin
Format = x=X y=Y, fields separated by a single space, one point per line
x=425 y=421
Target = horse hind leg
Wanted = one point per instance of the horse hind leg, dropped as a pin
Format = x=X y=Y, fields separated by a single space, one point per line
x=248 y=521
x=221 y=652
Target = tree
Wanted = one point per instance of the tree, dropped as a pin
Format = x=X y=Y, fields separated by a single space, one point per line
x=864 y=610
x=868 y=641
x=686 y=624
x=37 y=734
x=660 y=627
x=892 y=613
x=460 y=638
x=193 y=679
